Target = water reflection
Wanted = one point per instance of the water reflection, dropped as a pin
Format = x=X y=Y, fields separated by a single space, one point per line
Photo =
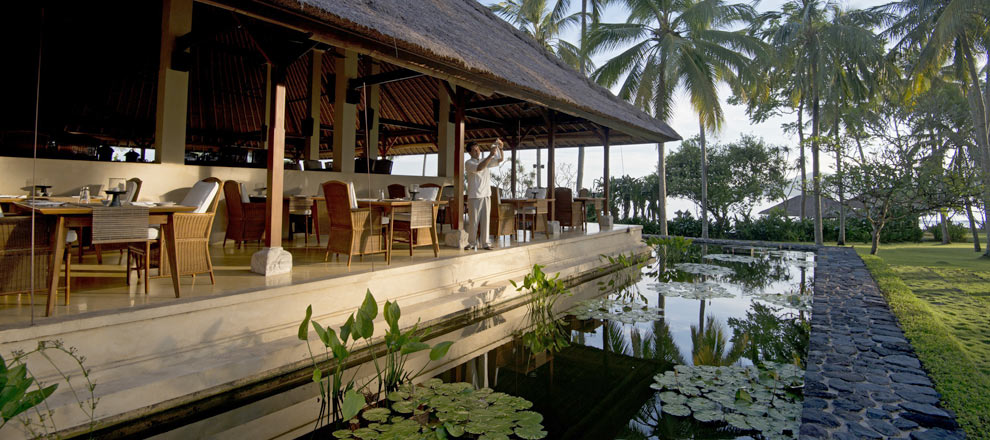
x=590 y=378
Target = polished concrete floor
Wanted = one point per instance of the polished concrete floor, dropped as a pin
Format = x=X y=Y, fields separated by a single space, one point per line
x=98 y=287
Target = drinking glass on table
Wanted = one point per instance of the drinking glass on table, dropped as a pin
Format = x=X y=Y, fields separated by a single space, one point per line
x=117 y=184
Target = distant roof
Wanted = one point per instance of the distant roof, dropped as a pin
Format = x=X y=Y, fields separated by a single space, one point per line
x=830 y=207
x=465 y=39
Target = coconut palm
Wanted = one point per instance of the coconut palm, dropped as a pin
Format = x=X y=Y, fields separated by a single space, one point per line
x=677 y=44
x=545 y=21
x=710 y=345
x=949 y=32
x=597 y=7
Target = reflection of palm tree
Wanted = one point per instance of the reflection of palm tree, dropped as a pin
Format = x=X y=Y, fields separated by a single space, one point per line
x=613 y=340
x=659 y=345
x=710 y=345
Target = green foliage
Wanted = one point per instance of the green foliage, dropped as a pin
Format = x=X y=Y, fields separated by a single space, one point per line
x=344 y=396
x=19 y=400
x=957 y=233
x=547 y=332
x=437 y=410
x=958 y=376
x=773 y=336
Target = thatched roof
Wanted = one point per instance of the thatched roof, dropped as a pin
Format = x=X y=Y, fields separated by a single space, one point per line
x=830 y=207
x=473 y=45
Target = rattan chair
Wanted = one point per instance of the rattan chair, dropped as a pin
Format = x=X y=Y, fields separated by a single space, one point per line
x=192 y=237
x=301 y=209
x=534 y=218
x=421 y=215
x=566 y=210
x=503 y=217
x=245 y=220
x=353 y=230
x=396 y=191
x=15 y=256
x=430 y=185
x=133 y=188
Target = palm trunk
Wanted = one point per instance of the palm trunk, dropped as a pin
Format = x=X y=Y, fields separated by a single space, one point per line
x=979 y=110
x=704 y=180
x=838 y=173
x=662 y=188
x=584 y=34
x=972 y=226
x=815 y=167
x=943 y=219
x=804 y=171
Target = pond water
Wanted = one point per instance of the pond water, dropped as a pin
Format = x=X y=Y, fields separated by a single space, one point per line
x=627 y=356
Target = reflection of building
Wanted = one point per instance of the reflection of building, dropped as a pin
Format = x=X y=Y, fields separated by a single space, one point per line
x=830 y=207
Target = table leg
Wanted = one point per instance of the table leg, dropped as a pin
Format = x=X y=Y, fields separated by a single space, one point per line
x=173 y=256
x=56 y=266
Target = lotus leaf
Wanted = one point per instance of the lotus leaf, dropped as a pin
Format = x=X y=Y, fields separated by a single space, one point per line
x=396 y=396
x=732 y=258
x=677 y=410
x=365 y=433
x=672 y=398
x=737 y=421
x=708 y=415
x=454 y=430
x=701 y=404
x=530 y=432
x=704 y=269
x=376 y=414
x=528 y=418
x=477 y=428
x=404 y=407
x=342 y=433
x=704 y=290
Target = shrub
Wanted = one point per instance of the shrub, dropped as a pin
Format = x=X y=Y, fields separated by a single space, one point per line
x=957 y=233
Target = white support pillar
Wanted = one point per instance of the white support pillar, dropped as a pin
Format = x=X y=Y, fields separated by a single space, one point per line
x=445 y=135
x=315 y=101
x=344 y=114
x=173 y=85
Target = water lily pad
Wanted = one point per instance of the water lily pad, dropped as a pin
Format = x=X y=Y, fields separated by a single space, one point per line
x=677 y=410
x=737 y=421
x=453 y=429
x=704 y=290
x=709 y=415
x=705 y=269
x=342 y=433
x=404 y=407
x=528 y=417
x=672 y=398
x=732 y=258
x=366 y=433
x=788 y=300
x=615 y=310
x=530 y=433
x=376 y=414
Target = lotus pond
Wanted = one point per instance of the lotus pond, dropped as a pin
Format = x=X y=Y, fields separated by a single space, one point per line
x=697 y=343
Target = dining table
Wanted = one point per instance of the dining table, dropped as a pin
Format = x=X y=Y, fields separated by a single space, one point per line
x=77 y=215
x=524 y=203
x=391 y=206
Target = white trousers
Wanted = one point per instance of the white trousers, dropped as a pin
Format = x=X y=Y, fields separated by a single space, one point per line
x=478 y=210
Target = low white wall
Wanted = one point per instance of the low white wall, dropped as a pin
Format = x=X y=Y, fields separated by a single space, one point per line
x=170 y=182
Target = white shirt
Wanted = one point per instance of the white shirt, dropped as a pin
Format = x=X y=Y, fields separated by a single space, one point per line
x=479 y=183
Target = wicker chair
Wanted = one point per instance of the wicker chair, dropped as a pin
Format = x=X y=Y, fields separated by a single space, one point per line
x=566 y=210
x=534 y=218
x=301 y=209
x=421 y=215
x=192 y=237
x=15 y=256
x=133 y=189
x=503 y=217
x=245 y=220
x=353 y=230
x=396 y=191
x=427 y=187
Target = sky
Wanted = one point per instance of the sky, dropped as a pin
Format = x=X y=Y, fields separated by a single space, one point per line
x=641 y=160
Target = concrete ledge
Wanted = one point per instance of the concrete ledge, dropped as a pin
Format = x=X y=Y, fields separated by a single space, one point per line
x=151 y=358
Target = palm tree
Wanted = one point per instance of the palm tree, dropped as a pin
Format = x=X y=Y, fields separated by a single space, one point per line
x=816 y=33
x=597 y=6
x=545 y=22
x=710 y=345
x=950 y=32
x=674 y=44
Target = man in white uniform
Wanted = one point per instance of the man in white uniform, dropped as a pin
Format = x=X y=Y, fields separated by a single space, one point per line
x=479 y=192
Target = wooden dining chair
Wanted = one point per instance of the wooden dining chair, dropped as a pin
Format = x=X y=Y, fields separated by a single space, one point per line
x=566 y=210
x=396 y=191
x=353 y=230
x=534 y=218
x=420 y=215
x=502 y=217
x=301 y=209
x=245 y=220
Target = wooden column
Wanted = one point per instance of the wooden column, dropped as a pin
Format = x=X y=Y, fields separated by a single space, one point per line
x=344 y=114
x=269 y=92
x=551 y=171
x=315 y=100
x=276 y=168
x=173 y=85
x=605 y=175
x=459 y=101
x=373 y=101
x=513 y=143
x=445 y=133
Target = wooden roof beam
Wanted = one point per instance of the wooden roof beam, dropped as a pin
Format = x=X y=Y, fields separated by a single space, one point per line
x=489 y=103
x=354 y=84
x=409 y=125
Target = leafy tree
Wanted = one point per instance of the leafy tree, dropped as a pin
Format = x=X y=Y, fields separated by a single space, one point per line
x=744 y=173
x=545 y=21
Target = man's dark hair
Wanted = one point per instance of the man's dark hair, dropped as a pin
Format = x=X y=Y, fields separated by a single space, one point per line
x=469 y=146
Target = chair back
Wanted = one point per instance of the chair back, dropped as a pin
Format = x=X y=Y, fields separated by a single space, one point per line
x=232 y=193
x=203 y=195
x=312 y=164
x=447 y=192
x=396 y=191
x=429 y=191
x=583 y=192
x=15 y=254
x=541 y=206
x=562 y=196
x=421 y=214
x=337 y=197
x=300 y=205
x=536 y=193
x=133 y=189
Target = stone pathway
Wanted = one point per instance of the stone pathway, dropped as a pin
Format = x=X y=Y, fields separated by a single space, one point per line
x=863 y=379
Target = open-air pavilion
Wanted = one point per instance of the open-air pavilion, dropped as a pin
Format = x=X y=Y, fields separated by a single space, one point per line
x=285 y=96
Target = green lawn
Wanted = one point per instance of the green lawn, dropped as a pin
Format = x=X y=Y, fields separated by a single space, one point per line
x=941 y=296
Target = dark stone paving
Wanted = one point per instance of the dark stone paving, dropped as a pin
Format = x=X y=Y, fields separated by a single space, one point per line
x=863 y=378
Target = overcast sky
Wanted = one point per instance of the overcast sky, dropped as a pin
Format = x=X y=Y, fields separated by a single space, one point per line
x=640 y=160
